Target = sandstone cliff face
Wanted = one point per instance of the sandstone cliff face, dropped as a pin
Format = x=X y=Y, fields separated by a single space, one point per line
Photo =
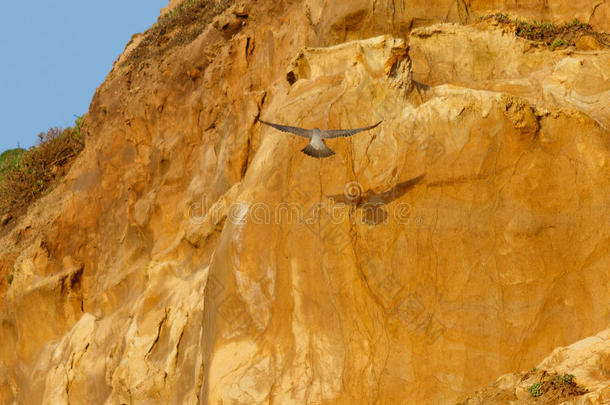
x=586 y=362
x=193 y=255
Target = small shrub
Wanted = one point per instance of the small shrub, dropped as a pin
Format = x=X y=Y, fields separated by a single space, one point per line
x=502 y=17
x=218 y=7
x=576 y=23
x=176 y=11
x=35 y=171
x=566 y=378
x=9 y=278
x=557 y=43
x=535 y=30
x=552 y=35
x=9 y=160
x=177 y=27
x=535 y=389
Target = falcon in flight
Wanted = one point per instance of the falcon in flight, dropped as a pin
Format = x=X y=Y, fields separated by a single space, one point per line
x=316 y=146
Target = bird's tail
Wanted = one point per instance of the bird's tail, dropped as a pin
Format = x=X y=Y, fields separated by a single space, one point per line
x=318 y=153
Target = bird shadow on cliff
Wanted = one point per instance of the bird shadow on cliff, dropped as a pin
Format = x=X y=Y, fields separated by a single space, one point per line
x=371 y=203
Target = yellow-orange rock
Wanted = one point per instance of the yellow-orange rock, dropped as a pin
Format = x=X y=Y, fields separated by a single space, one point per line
x=459 y=55
x=586 y=361
x=192 y=254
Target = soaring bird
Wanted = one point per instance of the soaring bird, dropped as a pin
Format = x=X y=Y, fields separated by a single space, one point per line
x=316 y=146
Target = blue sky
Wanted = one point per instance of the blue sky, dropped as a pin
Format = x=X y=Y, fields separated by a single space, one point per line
x=55 y=54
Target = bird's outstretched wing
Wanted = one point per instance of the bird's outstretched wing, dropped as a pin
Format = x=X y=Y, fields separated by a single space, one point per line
x=335 y=133
x=305 y=133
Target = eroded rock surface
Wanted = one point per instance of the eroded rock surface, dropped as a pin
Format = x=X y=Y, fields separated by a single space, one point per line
x=192 y=254
x=585 y=364
x=484 y=56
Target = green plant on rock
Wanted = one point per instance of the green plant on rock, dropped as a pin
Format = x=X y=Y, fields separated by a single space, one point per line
x=9 y=160
x=566 y=378
x=78 y=123
x=535 y=389
x=557 y=43
x=502 y=17
x=576 y=23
